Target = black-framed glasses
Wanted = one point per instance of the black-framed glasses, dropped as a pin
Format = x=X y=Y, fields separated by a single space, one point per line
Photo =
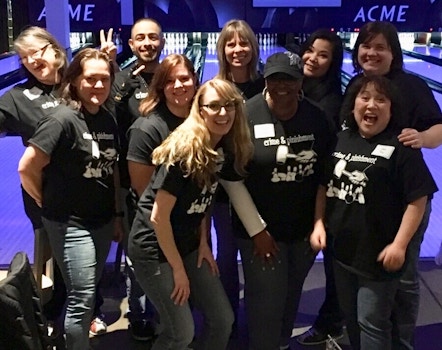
x=215 y=107
x=38 y=53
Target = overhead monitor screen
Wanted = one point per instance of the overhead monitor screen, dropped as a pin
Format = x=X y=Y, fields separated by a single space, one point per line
x=297 y=3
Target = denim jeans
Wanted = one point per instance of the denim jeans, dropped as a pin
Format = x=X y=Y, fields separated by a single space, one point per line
x=206 y=295
x=272 y=292
x=227 y=252
x=367 y=305
x=81 y=255
x=406 y=310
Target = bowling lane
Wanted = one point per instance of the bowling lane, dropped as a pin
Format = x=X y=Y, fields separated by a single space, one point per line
x=210 y=64
x=422 y=68
x=347 y=64
x=432 y=51
x=265 y=51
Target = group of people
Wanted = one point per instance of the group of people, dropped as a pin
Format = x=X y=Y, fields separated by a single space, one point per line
x=138 y=156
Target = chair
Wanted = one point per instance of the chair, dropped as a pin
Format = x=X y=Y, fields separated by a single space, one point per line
x=22 y=323
x=43 y=265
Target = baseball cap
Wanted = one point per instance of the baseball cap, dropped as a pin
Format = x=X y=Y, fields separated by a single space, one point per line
x=284 y=62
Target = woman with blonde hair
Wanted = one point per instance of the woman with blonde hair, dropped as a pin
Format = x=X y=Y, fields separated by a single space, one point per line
x=238 y=55
x=44 y=62
x=168 y=243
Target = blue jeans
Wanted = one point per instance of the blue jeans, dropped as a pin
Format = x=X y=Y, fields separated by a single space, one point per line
x=272 y=292
x=176 y=322
x=227 y=252
x=407 y=297
x=367 y=305
x=81 y=255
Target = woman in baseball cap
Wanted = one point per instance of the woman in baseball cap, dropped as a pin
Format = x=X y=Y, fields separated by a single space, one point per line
x=291 y=138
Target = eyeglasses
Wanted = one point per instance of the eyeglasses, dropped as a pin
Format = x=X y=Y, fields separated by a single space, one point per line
x=215 y=107
x=36 y=54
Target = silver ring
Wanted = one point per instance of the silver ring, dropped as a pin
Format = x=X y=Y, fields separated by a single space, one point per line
x=268 y=255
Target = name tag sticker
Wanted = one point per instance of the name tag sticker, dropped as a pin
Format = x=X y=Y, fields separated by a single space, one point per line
x=383 y=151
x=264 y=130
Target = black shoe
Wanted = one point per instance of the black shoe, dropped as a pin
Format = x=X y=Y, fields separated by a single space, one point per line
x=315 y=337
x=142 y=330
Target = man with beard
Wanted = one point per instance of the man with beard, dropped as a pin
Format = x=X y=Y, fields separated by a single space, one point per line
x=129 y=88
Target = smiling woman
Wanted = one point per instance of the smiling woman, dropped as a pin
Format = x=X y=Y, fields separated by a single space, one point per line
x=168 y=241
x=75 y=149
x=22 y=107
x=371 y=173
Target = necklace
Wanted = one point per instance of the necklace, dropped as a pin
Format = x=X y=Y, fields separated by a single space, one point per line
x=243 y=88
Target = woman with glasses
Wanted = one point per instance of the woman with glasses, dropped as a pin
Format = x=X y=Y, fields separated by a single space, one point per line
x=69 y=168
x=22 y=107
x=168 y=240
x=291 y=138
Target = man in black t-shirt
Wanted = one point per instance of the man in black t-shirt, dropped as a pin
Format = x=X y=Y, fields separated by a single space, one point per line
x=129 y=88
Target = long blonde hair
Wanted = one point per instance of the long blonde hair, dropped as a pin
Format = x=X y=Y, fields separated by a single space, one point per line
x=190 y=147
x=240 y=27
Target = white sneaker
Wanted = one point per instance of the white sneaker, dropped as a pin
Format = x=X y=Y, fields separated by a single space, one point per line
x=98 y=326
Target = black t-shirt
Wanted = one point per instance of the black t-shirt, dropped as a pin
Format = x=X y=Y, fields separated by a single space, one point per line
x=419 y=109
x=369 y=183
x=283 y=175
x=127 y=112
x=22 y=107
x=328 y=97
x=191 y=205
x=251 y=87
x=147 y=133
x=78 y=183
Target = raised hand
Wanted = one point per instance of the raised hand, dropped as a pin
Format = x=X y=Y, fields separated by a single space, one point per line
x=107 y=45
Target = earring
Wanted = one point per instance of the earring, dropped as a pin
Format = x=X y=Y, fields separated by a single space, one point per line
x=300 y=95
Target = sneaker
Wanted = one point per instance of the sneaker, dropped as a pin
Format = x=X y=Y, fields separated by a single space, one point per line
x=51 y=329
x=98 y=326
x=142 y=330
x=315 y=337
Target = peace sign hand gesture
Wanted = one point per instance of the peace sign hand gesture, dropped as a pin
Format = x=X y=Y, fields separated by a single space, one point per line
x=107 y=45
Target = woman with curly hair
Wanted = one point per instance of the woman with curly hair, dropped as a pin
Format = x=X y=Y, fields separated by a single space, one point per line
x=168 y=244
